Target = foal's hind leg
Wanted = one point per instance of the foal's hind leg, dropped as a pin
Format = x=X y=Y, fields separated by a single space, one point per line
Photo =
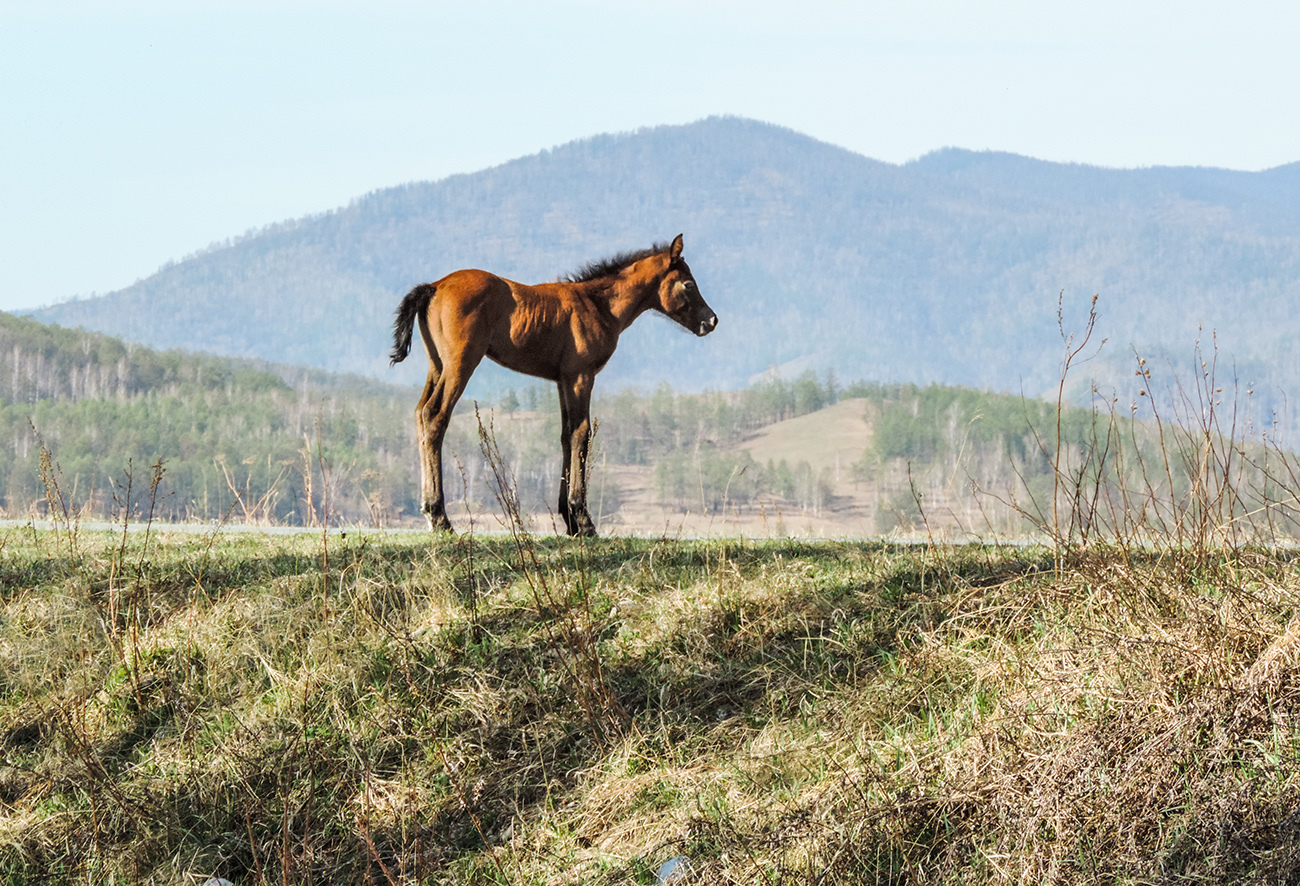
x=434 y=417
x=430 y=449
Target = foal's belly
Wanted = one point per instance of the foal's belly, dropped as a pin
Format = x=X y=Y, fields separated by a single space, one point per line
x=516 y=362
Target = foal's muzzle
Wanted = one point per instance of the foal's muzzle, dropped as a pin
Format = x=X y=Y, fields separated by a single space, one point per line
x=707 y=325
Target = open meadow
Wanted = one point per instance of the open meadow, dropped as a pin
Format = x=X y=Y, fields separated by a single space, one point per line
x=365 y=707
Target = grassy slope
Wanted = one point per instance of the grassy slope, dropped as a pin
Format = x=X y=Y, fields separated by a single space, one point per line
x=833 y=439
x=472 y=709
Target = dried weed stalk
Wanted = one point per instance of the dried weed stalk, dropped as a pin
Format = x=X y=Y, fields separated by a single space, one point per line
x=1180 y=473
x=575 y=640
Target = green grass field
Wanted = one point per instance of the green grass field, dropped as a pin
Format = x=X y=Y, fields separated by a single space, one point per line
x=400 y=709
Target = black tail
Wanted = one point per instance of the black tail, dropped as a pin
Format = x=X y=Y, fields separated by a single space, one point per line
x=413 y=305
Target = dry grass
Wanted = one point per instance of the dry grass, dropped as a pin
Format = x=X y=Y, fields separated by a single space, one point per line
x=779 y=712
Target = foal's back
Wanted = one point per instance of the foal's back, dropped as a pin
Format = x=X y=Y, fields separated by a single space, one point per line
x=540 y=330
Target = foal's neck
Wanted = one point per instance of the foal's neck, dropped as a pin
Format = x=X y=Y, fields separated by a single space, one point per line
x=626 y=298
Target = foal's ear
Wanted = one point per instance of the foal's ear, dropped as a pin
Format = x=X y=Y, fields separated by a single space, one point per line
x=675 y=251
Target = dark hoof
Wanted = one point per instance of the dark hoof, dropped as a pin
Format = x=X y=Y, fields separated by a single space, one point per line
x=582 y=527
x=438 y=521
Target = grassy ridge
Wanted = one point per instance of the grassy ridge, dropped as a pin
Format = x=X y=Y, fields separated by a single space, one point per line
x=400 y=709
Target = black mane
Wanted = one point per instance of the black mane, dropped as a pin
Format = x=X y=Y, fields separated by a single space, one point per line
x=608 y=267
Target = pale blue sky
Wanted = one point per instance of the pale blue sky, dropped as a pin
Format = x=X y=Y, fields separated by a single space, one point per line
x=133 y=133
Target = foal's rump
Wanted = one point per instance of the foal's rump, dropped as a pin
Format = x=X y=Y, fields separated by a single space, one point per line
x=461 y=295
x=471 y=314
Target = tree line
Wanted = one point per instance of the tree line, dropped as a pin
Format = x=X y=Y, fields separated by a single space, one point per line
x=84 y=418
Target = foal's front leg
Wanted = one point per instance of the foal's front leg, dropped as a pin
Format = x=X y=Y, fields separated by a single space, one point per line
x=575 y=431
x=566 y=454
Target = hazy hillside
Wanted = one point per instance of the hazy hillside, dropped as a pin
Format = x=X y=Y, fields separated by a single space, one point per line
x=80 y=411
x=271 y=443
x=944 y=269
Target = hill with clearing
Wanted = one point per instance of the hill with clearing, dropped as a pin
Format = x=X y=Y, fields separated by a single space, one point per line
x=91 y=427
x=830 y=439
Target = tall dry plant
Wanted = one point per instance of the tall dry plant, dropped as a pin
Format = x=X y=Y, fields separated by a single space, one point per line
x=1183 y=471
x=258 y=510
x=571 y=628
x=61 y=504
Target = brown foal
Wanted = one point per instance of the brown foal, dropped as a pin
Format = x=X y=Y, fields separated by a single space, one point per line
x=564 y=332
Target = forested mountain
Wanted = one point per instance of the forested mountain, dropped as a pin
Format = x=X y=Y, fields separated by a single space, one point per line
x=944 y=269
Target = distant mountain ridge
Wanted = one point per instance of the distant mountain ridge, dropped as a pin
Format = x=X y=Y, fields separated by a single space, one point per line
x=945 y=269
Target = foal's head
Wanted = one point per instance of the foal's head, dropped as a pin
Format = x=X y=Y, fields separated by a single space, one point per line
x=679 y=298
